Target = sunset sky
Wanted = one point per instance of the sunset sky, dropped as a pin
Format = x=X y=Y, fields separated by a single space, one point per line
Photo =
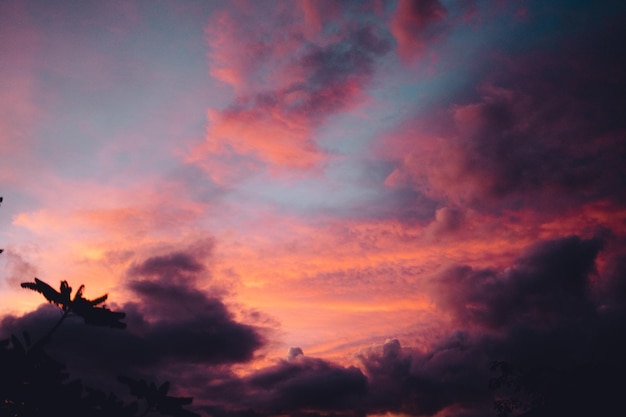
x=401 y=190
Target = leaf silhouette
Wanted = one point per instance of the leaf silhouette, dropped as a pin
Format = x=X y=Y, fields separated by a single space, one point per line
x=164 y=388
x=99 y=300
x=41 y=287
x=66 y=292
x=138 y=388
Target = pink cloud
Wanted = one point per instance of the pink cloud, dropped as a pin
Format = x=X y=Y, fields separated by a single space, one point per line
x=287 y=82
x=266 y=133
x=415 y=24
x=315 y=12
x=524 y=138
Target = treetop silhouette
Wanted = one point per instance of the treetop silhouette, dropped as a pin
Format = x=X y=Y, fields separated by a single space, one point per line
x=79 y=305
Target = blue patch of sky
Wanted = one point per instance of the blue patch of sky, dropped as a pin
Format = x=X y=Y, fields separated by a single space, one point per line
x=352 y=188
x=469 y=53
x=305 y=196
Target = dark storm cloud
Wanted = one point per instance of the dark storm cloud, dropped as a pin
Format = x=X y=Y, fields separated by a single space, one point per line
x=548 y=283
x=177 y=262
x=297 y=385
x=180 y=321
x=540 y=315
x=161 y=281
x=171 y=266
x=307 y=383
x=422 y=383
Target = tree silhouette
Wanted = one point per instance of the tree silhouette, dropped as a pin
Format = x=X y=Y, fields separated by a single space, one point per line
x=83 y=307
x=33 y=384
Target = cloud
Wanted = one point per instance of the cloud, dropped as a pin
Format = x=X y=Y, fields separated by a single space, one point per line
x=542 y=314
x=541 y=132
x=447 y=221
x=302 y=383
x=171 y=266
x=408 y=381
x=415 y=24
x=287 y=84
x=18 y=268
x=294 y=352
x=547 y=284
x=539 y=315
x=525 y=143
x=298 y=384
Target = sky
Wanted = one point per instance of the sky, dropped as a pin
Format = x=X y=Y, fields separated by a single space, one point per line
x=322 y=207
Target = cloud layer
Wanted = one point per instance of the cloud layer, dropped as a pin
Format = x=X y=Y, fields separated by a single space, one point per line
x=549 y=315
